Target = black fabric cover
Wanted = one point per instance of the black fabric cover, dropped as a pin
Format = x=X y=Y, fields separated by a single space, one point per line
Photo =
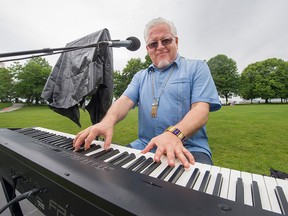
x=82 y=76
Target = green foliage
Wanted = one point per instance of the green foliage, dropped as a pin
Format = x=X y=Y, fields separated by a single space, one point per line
x=225 y=75
x=30 y=78
x=267 y=79
x=122 y=79
x=6 y=85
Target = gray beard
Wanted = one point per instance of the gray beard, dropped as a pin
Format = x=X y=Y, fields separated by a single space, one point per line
x=163 y=64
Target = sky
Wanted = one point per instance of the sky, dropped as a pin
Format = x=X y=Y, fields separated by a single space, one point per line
x=247 y=31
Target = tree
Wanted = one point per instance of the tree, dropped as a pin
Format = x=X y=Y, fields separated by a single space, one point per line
x=31 y=79
x=266 y=79
x=225 y=75
x=122 y=80
x=6 y=85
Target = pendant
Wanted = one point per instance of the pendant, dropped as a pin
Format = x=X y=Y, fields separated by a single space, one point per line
x=154 y=107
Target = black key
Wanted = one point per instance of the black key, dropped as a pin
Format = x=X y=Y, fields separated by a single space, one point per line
x=205 y=181
x=239 y=191
x=282 y=200
x=92 y=148
x=145 y=164
x=176 y=175
x=136 y=163
x=119 y=157
x=151 y=168
x=256 y=195
x=125 y=160
x=100 y=153
x=165 y=172
x=218 y=184
x=63 y=142
x=190 y=184
x=109 y=154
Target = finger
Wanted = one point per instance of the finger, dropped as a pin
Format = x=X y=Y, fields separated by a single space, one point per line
x=107 y=142
x=189 y=156
x=158 y=154
x=148 y=147
x=181 y=156
x=90 y=138
x=79 y=140
x=170 y=155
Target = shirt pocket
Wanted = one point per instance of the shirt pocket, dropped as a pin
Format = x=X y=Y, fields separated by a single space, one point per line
x=179 y=90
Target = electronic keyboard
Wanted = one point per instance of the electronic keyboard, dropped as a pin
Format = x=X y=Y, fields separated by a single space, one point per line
x=123 y=181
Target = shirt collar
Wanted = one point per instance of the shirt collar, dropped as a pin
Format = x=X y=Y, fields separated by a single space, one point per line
x=152 y=68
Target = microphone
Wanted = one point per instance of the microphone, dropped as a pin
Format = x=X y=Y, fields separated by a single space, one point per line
x=131 y=43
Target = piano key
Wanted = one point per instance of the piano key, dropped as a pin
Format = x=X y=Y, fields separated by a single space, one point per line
x=118 y=157
x=270 y=186
x=225 y=182
x=234 y=175
x=102 y=152
x=239 y=191
x=165 y=172
x=125 y=160
x=247 y=188
x=265 y=202
x=204 y=181
x=193 y=178
x=92 y=150
x=256 y=195
x=137 y=162
x=284 y=184
x=176 y=175
x=156 y=172
x=151 y=168
x=184 y=178
x=282 y=200
x=173 y=170
x=218 y=184
x=214 y=171
x=203 y=168
x=144 y=165
x=108 y=154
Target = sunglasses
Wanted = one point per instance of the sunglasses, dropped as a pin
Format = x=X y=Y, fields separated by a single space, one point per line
x=164 y=42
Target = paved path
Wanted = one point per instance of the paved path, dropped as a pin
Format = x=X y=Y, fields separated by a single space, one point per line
x=15 y=106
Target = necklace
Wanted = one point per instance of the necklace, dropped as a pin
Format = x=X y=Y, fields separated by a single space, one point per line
x=156 y=99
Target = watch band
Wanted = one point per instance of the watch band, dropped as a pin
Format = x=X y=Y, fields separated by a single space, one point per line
x=176 y=132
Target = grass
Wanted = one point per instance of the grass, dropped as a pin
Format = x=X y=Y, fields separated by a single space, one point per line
x=249 y=138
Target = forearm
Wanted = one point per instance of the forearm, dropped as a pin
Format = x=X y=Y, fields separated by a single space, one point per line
x=194 y=119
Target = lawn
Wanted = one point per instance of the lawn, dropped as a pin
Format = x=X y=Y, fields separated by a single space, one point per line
x=249 y=138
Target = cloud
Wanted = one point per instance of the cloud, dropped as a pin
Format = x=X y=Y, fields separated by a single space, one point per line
x=244 y=30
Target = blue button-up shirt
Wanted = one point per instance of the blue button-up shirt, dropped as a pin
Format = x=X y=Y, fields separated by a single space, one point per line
x=190 y=82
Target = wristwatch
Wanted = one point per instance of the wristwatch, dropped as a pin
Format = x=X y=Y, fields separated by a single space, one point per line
x=176 y=132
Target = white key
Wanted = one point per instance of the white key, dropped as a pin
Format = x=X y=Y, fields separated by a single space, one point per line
x=184 y=178
x=225 y=182
x=213 y=172
x=234 y=175
x=271 y=186
x=137 y=154
x=160 y=168
x=284 y=184
x=247 y=183
x=203 y=168
x=177 y=164
x=263 y=191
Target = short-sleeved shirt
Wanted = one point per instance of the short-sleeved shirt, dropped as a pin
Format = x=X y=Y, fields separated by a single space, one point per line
x=190 y=81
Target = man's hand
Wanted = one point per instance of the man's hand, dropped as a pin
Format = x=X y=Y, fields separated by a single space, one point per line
x=169 y=144
x=89 y=134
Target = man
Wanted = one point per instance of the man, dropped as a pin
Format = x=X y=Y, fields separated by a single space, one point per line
x=174 y=96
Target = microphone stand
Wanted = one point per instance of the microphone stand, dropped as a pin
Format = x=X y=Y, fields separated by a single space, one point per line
x=46 y=51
